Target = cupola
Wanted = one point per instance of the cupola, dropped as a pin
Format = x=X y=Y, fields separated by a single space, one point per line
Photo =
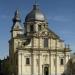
x=35 y=15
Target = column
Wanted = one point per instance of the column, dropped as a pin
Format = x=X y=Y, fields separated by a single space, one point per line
x=65 y=58
x=32 y=63
x=50 y=58
x=39 y=64
x=19 y=63
x=55 y=56
x=32 y=57
x=39 y=56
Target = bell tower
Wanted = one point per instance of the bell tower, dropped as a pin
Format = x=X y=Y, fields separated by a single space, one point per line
x=16 y=28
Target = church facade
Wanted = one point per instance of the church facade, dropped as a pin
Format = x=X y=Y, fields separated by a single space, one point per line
x=35 y=49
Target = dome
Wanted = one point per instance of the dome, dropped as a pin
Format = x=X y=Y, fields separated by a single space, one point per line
x=35 y=15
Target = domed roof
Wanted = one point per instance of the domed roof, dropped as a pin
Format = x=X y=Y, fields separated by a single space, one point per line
x=35 y=15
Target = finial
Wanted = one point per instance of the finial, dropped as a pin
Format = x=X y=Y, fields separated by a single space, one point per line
x=36 y=6
x=35 y=2
x=17 y=16
x=17 y=12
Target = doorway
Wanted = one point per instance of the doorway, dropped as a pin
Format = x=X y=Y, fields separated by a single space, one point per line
x=46 y=70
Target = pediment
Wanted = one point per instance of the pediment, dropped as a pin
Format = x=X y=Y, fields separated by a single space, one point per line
x=46 y=33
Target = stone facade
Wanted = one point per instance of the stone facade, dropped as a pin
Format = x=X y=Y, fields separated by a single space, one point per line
x=36 y=49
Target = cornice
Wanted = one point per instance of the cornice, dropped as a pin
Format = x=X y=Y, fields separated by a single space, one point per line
x=43 y=49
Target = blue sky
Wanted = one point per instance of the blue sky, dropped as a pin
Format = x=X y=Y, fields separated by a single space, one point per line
x=59 y=13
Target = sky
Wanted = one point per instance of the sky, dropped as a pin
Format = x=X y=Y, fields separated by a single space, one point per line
x=59 y=13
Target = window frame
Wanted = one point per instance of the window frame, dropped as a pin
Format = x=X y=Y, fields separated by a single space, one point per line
x=45 y=42
x=27 y=61
x=31 y=28
x=62 y=61
x=39 y=27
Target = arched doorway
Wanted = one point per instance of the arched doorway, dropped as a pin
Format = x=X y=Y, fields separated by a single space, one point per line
x=46 y=70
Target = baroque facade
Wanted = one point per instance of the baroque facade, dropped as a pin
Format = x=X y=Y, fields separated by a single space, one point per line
x=35 y=49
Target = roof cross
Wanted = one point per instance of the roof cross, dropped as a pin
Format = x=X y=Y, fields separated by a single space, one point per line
x=36 y=2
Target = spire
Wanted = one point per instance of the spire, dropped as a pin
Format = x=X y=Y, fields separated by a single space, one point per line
x=16 y=21
x=17 y=16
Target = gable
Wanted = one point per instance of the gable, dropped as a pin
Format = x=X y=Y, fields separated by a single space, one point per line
x=47 y=33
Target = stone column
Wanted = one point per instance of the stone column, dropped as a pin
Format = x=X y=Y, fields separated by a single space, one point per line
x=39 y=64
x=65 y=58
x=32 y=57
x=39 y=56
x=20 y=60
x=50 y=58
x=32 y=63
x=55 y=56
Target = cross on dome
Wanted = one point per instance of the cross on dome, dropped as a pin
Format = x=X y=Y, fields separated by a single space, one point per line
x=35 y=2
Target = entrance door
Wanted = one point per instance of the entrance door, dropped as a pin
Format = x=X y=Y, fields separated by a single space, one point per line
x=46 y=70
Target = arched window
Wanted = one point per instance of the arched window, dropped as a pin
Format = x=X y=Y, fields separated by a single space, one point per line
x=46 y=42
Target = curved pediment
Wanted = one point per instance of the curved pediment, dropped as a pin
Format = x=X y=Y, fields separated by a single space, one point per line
x=46 y=33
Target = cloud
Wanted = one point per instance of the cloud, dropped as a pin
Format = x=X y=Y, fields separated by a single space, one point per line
x=59 y=18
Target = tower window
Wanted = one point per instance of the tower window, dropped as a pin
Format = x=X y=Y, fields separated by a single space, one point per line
x=39 y=27
x=45 y=42
x=31 y=28
x=62 y=61
x=27 y=61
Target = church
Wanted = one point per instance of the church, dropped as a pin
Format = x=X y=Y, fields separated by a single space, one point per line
x=35 y=49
